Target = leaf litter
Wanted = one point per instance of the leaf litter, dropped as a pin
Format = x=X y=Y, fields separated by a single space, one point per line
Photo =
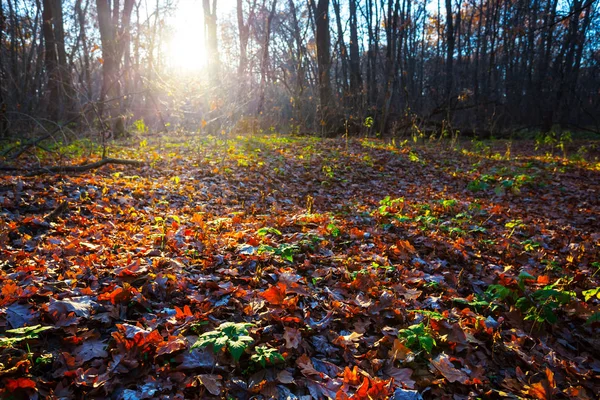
x=356 y=272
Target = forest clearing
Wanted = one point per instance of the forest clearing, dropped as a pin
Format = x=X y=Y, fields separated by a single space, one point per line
x=285 y=267
x=300 y=199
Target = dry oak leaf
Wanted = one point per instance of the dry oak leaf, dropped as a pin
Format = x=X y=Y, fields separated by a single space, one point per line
x=348 y=340
x=211 y=382
x=307 y=368
x=292 y=337
x=399 y=351
x=442 y=363
x=81 y=306
x=171 y=346
x=402 y=376
x=91 y=349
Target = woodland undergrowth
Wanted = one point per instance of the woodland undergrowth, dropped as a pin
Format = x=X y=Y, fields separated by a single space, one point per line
x=296 y=267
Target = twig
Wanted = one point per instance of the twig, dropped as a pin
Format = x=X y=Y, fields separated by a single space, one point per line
x=71 y=168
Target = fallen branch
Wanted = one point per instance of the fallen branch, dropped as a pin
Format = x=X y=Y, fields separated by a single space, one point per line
x=87 y=167
x=72 y=168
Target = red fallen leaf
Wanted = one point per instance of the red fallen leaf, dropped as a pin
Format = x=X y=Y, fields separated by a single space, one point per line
x=19 y=383
x=545 y=389
x=119 y=295
x=539 y=391
x=351 y=376
x=275 y=294
x=362 y=391
x=543 y=279
x=182 y=314
x=577 y=393
x=379 y=390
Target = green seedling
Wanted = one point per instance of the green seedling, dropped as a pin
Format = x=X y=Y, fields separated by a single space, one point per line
x=231 y=336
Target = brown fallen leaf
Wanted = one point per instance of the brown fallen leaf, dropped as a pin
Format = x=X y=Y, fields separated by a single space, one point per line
x=211 y=382
x=91 y=349
x=402 y=376
x=292 y=337
x=446 y=368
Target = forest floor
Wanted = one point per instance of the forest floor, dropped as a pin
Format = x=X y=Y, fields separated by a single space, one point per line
x=294 y=267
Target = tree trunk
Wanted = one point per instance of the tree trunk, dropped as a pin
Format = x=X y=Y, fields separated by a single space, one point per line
x=264 y=64
x=51 y=62
x=324 y=62
x=449 y=53
x=355 y=76
x=210 y=29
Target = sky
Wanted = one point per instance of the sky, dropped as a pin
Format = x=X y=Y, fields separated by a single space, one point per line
x=186 y=47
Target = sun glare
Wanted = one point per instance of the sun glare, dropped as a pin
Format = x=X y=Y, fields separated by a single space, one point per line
x=186 y=48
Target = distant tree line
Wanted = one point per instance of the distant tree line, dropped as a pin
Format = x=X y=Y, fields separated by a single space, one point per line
x=326 y=66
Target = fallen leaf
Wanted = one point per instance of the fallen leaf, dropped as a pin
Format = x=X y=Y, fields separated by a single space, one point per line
x=292 y=337
x=91 y=349
x=444 y=366
x=80 y=306
x=275 y=294
x=212 y=383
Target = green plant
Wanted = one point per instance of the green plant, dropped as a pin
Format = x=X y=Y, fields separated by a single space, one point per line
x=285 y=250
x=161 y=225
x=417 y=336
x=538 y=306
x=477 y=185
x=513 y=225
x=22 y=334
x=333 y=229
x=266 y=355
x=266 y=230
x=389 y=206
x=140 y=127
x=543 y=303
x=233 y=337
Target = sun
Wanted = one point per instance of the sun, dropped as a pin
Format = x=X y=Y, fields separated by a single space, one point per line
x=186 y=47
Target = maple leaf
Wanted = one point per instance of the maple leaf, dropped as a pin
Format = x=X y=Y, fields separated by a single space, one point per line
x=12 y=385
x=351 y=376
x=275 y=294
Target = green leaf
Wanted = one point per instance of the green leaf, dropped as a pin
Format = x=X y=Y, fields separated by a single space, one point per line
x=266 y=230
x=500 y=292
x=523 y=303
x=588 y=294
x=430 y=314
x=220 y=342
x=427 y=343
x=595 y=317
x=29 y=330
x=237 y=347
